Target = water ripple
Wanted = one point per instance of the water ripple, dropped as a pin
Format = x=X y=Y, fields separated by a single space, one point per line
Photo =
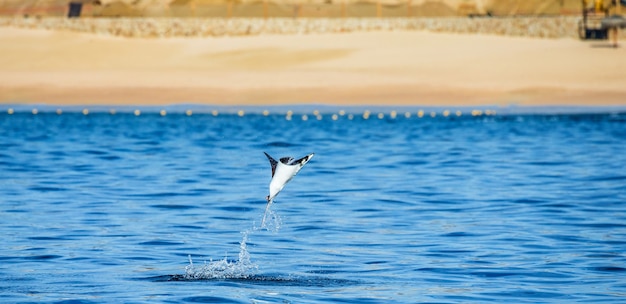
x=512 y=208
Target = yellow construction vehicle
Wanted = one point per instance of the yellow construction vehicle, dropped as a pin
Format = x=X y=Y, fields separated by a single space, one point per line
x=601 y=17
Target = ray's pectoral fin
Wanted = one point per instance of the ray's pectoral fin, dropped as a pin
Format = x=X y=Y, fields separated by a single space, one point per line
x=273 y=163
x=304 y=160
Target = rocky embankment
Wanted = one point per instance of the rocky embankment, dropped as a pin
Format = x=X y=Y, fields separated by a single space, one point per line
x=537 y=27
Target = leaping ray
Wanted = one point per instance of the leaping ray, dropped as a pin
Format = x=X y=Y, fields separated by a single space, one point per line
x=282 y=172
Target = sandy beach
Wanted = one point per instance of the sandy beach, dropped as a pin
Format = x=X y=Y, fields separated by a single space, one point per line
x=358 y=68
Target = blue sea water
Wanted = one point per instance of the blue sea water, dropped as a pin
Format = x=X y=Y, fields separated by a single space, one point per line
x=513 y=207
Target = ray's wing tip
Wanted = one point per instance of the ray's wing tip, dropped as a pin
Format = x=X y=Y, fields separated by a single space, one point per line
x=269 y=157
x=273 y=163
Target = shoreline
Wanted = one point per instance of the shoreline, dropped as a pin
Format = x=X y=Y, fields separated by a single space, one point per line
x=398 y=96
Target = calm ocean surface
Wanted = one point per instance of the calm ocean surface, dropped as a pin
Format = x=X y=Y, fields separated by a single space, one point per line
x=518 y=208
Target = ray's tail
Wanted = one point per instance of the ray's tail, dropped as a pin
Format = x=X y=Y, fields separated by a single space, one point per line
x=267 y=208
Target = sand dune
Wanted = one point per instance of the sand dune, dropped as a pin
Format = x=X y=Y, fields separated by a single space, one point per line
x=402 y=68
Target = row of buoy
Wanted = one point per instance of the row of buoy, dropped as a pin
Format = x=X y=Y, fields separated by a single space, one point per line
x=316 y=114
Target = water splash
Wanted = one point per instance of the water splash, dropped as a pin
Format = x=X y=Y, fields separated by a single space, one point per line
x=272 y=222
x=243 y=268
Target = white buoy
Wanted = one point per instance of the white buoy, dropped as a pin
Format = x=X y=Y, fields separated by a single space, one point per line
x=477 y=112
